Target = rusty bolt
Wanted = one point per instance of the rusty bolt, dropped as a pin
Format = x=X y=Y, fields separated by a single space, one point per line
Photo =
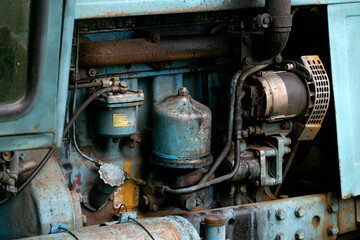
x=198 y=201
x=333 y=207
x=6 y=153
x=278 y=58
x=92 y=72
x=155 y=37
x=280 y=236
x=280 y=214
x=333 y=230
x=289 y=66
x=247 y=40
x=300 y=212
x=190 y=203
x=183 y=91
x=154 y=207
x=247 y=60
x=144 y=200
x=300 y=235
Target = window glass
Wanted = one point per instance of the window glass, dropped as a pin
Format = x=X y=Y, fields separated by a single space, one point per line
x=14 y=36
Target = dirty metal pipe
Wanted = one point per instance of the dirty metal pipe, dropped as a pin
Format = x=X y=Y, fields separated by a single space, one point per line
x=141 y=50
x=275 y=38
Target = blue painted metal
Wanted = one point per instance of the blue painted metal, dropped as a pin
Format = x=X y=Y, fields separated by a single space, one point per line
x=32 y=131
x=105 y=8
x=44 y=203
x=182 y=132
x=215 y=227
x=344 y=20
x=259 y=220
x=171 y=227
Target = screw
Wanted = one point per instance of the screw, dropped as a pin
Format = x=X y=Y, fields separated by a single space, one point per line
x=289 y=66
x=278 y=58
x=92 y=72
x=154 y=207
x=247 y=60
x=183 y=91
x=333 y=207
x=280 y=236
x=300 y=212
x=333 y=230
x=300 y=235
x=280 y=214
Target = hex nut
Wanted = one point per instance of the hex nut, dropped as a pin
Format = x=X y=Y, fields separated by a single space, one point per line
x=92 y=72
x=280 y=236
x=183 y=91
x=333 y=230
x=333 y=207
x=190 y=203
x=280 y=214
x=300 y=212
x=300 y=235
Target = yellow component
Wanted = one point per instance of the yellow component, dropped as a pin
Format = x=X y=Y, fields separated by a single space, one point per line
x=128 y=193
x=120 y=120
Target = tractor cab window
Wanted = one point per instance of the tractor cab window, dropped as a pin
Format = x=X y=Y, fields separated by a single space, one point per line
x=14 y=39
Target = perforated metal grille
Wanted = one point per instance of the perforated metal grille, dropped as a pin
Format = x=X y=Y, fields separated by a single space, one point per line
x=319 y=88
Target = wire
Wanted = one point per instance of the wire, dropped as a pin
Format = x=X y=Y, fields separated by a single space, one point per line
x=68 y=231
x=51 y=151
x=74 y=129
x=142 y=226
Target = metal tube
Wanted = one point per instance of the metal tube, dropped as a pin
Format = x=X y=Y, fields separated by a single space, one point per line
x=141 y=50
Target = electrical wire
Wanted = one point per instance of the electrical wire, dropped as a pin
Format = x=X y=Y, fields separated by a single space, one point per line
x=74 y=130
x=142 y=226
x=51 y=151
x=68 y=231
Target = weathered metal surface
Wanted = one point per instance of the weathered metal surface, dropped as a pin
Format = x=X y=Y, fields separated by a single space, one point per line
x=172 y=227
x=104 y=8
x=182 y=132
x=215 y=226
x=344 y=49
x=261 y=221
x=139 y=50
x=45 y=201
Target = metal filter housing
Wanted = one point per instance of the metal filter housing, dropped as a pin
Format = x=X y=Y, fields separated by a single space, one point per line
x=182 y=132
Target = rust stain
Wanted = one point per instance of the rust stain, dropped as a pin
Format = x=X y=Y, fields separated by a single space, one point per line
x=77 y=181
x=57 y=157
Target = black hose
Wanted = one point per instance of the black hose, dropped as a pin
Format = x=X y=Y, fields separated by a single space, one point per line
x=70 y=232
x=86 y=85
x=238 y=79
x=50 y=153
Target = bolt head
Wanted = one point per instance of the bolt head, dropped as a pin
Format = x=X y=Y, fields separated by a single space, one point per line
x=280 y=236
x=154 y=207
x=333 y=230
x=333 y=207
x=190 y=203
x=300 y=235
x=123 y=84
x=300 y=212
x=183 y=91
x=278 y=58
x=280 y=214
